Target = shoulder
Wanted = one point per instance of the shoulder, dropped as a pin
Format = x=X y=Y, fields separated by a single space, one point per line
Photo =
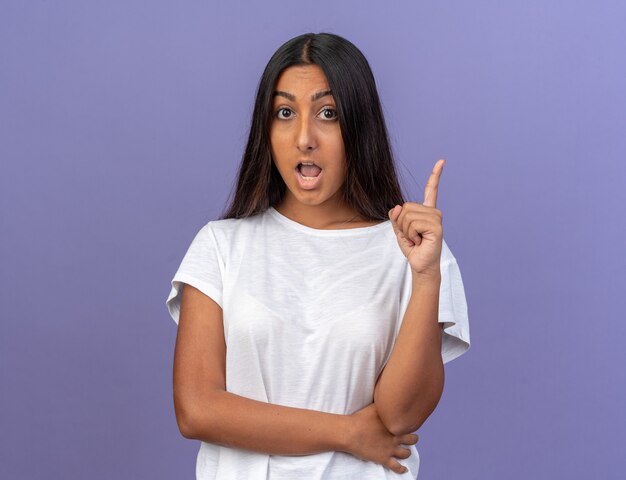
x=231 y=226
x=227 y=232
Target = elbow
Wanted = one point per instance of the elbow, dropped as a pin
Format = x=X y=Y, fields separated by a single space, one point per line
x=400 y=421
x=185 y=421
x=407 y=424
x=187 y=411
x=194 y=418
x=185 y=427
x=397 y=421
x=410 y=421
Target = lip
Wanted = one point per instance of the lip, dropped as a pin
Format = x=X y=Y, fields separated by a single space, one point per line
x=308 y=184
x=304 y=160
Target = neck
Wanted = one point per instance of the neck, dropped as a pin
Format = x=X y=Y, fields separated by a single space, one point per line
x=325 y=215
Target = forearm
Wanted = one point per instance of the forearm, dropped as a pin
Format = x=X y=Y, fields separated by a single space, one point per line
x=411 y=384
x=232 y=420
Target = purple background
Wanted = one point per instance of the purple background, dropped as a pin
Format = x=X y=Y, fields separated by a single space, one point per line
x=122 y=124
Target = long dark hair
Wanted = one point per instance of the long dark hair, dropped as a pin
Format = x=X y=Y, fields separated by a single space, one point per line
x=371 y=186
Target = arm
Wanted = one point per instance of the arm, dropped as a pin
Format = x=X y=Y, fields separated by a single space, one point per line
x=411 y=384
x=205 y=411
x=235 y=421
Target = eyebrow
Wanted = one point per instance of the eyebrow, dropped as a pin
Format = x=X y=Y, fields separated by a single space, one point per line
x=314 y=97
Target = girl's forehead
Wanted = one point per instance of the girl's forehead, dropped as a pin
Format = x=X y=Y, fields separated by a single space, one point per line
x=303 y=77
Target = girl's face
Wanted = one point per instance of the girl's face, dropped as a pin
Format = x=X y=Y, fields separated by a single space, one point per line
x=305 y=129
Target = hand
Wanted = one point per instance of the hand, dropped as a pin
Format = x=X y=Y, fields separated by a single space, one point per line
x=418 y=228
x=370 y=440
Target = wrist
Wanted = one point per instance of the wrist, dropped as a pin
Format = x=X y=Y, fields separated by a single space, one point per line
x=346 y=434
x=426 y=279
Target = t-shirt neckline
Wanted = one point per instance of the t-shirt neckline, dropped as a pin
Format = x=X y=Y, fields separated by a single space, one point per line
x=333 y=232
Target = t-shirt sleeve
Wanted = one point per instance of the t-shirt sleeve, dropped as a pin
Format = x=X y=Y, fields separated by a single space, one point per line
x=453 y=312
x=452 y=306
x=201 y=267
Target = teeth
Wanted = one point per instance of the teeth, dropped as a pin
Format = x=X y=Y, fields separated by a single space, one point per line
x=305 y=178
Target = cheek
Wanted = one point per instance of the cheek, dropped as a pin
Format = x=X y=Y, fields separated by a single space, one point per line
x=337 y=145
x=339 y=155
x=276 y=148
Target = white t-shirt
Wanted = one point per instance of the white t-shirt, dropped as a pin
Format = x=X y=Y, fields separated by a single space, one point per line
x=310 y=319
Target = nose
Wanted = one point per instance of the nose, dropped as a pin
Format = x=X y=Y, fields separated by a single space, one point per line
x=306 y=138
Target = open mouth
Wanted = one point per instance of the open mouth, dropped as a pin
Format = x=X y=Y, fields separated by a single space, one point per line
x=308 y=171
x=309 y=176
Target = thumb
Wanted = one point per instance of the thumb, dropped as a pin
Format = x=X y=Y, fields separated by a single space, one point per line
x=391 y=213
x=393 y=216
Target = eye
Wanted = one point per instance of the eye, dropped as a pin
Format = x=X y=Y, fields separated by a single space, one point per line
x=283 y=110
x=332 y=111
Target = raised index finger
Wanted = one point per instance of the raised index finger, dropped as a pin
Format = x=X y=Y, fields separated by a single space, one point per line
x=430 y=192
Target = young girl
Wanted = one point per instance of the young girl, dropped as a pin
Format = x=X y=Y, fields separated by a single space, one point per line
x=315 y=316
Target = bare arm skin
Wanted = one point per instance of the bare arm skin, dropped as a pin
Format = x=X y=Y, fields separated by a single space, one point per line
x=411 y=384
x=206 y=411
